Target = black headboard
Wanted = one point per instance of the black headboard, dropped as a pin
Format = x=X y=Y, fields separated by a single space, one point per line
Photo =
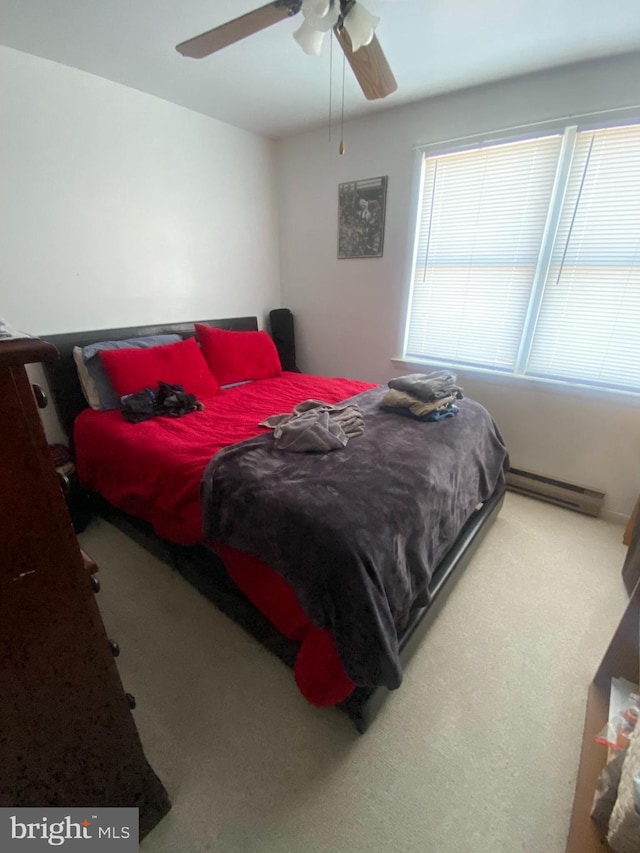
x=63 y=377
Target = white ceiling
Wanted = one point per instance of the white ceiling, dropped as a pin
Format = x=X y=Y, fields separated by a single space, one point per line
x=268 y=85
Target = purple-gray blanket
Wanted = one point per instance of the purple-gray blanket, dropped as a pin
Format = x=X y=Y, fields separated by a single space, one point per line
x=357 y=532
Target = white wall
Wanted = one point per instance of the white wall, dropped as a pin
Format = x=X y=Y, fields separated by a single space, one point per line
x=118 y=208
x=349 y=313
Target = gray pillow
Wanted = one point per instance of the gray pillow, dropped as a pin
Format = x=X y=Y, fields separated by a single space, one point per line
x=86 y=382
x=108 y=398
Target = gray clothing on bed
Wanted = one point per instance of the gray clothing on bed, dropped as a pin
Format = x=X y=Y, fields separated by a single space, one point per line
x=315 y=427
x=394 y=399
x=428 y=386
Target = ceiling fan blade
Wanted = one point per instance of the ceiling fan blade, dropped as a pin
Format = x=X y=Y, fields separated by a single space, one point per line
x=239 y=28
x=370 y=66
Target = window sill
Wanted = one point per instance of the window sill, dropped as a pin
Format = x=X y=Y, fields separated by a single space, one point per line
x=531 y=383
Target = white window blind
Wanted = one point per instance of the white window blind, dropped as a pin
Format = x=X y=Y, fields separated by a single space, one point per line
x=589 y=324
x=527 y=258
x=482 y=218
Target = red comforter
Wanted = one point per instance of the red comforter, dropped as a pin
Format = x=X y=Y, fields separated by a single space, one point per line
x=152 y=470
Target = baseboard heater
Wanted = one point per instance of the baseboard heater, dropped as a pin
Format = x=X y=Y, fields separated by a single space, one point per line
x=545 y=488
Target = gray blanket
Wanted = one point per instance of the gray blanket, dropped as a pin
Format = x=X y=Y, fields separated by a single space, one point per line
x=358 y=532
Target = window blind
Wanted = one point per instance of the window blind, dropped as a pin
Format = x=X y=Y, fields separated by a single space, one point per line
x=481 y=221
x=589 y=322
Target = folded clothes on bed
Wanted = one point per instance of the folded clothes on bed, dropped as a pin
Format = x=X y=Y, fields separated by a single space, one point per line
x=449 y=411
x=315 y=427
x=423 y=396
x=428 y=386
x=400 y=400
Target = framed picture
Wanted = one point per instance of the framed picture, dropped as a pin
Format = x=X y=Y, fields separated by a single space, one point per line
x=361 y=206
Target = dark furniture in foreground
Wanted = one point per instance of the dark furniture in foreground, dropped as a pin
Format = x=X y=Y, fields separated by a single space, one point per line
x=202 y=568
x=67 y=735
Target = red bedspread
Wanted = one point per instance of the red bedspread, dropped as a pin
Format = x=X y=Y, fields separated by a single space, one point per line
x=152 y=470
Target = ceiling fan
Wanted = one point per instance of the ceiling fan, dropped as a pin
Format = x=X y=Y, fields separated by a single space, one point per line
x=353 y=25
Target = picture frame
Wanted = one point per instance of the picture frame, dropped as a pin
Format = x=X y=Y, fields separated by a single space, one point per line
x=361 y=214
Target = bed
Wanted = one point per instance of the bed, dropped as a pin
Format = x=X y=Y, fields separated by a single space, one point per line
x=148 y=479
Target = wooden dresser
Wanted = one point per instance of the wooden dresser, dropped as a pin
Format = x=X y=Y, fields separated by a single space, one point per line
x=621 y=659
x=67 y=734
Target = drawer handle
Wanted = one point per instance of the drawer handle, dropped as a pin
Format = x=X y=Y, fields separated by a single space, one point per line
x=41 y=397
x=131 y=699
x=95 y=584
x=115 y=648
x=65 y=483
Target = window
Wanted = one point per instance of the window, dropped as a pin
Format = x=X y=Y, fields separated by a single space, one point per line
x=527 y=258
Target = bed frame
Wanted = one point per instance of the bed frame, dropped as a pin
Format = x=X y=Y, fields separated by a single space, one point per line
x=203 y=568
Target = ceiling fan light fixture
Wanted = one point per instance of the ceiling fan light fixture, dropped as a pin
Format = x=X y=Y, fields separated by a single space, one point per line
x=360 y=24
x=316 y=8
x=320 y=15
x=352 y=24
x=309 y=39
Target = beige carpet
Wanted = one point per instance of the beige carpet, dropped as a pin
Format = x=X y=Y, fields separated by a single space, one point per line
x=477 y=751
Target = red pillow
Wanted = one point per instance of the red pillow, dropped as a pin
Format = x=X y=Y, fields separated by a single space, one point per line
x=179 y=364
x=237 y=356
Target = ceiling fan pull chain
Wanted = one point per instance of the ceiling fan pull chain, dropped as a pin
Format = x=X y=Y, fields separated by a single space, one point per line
x=330 y=80
x=341 y=147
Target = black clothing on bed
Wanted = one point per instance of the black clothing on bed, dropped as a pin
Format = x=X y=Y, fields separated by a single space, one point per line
x=170 y=400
